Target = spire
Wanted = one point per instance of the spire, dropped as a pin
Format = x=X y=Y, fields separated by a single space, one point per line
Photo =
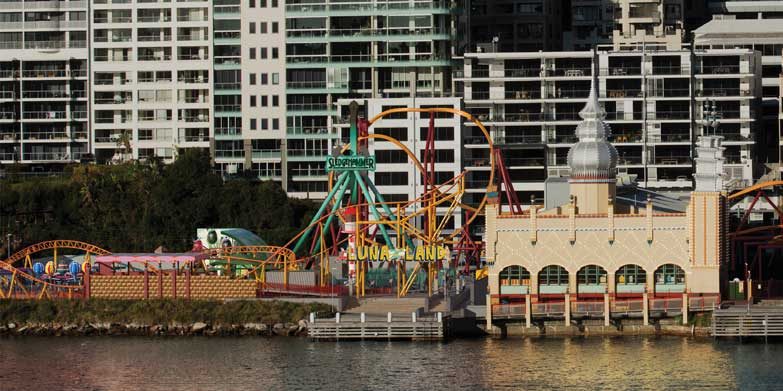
x=593 y=108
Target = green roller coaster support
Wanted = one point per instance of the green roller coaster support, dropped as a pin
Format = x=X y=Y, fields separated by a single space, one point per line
x=373 y=210
x=339 y=187
x=388 y=210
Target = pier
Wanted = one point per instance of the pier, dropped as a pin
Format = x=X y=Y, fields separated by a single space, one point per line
x=362 y=326
x=753 y=321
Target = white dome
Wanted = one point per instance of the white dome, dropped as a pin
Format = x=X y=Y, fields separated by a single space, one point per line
x=593 y=158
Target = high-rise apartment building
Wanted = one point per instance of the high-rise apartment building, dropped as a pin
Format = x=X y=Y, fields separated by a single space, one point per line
x=513 y=26
x=766 y=37
x=43 y=83
x=624 y=22
x=363 y=49
x=747 y=9
x=249 y=72
x=655 y=100
x=150 y=76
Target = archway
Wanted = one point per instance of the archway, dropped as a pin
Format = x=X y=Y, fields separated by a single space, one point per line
x=591 y=279
x=514 y=280
x=669 y=278
x=630 y=279
x=553 y=279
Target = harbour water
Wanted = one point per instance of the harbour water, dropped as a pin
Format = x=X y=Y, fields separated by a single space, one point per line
x=117 y=363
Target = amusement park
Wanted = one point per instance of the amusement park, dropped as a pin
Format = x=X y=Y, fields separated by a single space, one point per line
x=598 y=250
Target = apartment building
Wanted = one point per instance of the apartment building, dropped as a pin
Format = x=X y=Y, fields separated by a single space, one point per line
x=356 y=49
x=747 y=9
x=43 y=83
x=766 y=37
x=655 y=99
x=513 y=26
x=624 y=22
x=249 y=71
x=150 y=67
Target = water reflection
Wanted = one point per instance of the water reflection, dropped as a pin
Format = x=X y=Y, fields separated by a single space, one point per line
x=299 y=364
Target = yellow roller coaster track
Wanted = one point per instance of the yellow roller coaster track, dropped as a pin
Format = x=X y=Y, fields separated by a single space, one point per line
x=759 y=186
x=24 y=254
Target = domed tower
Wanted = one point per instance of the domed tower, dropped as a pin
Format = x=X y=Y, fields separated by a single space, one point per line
x=593 y=160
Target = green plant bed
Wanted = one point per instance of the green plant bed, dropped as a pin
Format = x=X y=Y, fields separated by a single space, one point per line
x=154 y=311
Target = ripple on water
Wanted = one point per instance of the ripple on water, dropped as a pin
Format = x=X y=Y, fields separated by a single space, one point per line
x=298 y=364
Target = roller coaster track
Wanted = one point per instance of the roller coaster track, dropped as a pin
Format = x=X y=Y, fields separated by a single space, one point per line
x=53 y=245
x=13 y=287
x=749 y=190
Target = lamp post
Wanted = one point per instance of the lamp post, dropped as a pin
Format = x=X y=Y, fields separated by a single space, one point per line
x=711 y=117
x=8 y=243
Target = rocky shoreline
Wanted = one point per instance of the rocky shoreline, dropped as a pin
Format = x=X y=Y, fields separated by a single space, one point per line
x=173 y=329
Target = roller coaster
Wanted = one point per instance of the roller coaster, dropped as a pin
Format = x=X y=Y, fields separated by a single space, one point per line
x=353 y=216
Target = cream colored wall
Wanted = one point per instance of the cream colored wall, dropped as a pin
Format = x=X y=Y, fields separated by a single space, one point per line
x=574 y=242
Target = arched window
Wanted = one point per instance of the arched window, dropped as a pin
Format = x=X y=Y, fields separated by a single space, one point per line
x=591 y=279
x=669 y=278
x=553 y=279
x=630 y=279
x=514 y=279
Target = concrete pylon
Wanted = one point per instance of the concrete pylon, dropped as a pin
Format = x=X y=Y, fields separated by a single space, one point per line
x=645 y=309
x=606 y=309
x=685 y=308
x=567 y=309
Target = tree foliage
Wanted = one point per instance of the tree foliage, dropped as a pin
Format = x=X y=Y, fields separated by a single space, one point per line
x=136 y=207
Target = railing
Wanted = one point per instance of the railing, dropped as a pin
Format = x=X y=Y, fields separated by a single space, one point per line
x=307 y=130
x=669 y=93
x=669 y=70
x=306 y=153
x=719 y=92
x=308 y=172
x=360 y=6
x=719 y=69
x=563 y=139
x=307 y=106
x=629 y=160
x=522 y=72
x=570 y=72
x=672 y=160
x=56 y=156
x=228 y=86
x=627 y=137
x=54 y=44
x=306 y=84
x=515 y=139
x=623 y=93
x=587 y=308
x=621 y=71
x=266 y=153
x=154 y=57
x=523 y=94
x=669 y=138
x=666 y=305
x=44 y=115
x=7 y=115
x=703 y=303
x=668 y=115
x=626 y=307
x=155 y=38
x=479 y=94
x=230 y=153
x=548 y=309
x=224 y=108
x=508 y=310
x=568 y=94
x=524 y=162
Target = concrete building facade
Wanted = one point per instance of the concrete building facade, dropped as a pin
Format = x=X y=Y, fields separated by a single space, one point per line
x=43 y=83
x=655 y=100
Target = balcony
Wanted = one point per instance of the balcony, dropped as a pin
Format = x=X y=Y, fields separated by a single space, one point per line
x=672 y=160
x=627 y=138
x=669 y=70
x=670 y=93
x=669 y=115
x=568 y=94
x=266 y=154
x=49 y=115
x=311 y=131
x=721 y=92
x=630 y=93
x=309 y=172
x=522 y=72
x=46 y=156
x=525 y=162
x=523 y=95
x=570 y=72
x=720 y=69
x=516 y=139
x=621 y=71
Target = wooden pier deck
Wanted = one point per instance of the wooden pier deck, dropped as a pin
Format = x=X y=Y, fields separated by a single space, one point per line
x=391 y=327
x=739 y=321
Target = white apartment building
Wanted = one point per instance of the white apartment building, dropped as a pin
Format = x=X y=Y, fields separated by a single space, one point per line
x=766 y=37
x=151 y=69
x=357 y=49
x=624 y=22
x=654 y=99
x=747 y=9
x=43 y=83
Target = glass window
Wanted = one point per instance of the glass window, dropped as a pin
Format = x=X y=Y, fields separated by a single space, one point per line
x=514 y=275
x=631 y=274
x=669 y=274
x=553 y=275
x=591 y=275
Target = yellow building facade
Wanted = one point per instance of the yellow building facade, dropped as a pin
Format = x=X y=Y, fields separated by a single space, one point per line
x=593 y=257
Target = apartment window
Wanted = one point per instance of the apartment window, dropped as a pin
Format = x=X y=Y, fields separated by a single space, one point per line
x=264 y=101
x=251 y=4
x=275 y=52
x=264 y=79
x=275 y=100
x=274 y=27
x=264 y=124
x=252 y=27
x=262 y=3
x=274 y=3
x=275 y=78
x=391 y=178
x=275 y=123
x=252 y=101
x=263 y=53
x=253 y=124
x=252 y=79
x=262 y=28
x=252 y=53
